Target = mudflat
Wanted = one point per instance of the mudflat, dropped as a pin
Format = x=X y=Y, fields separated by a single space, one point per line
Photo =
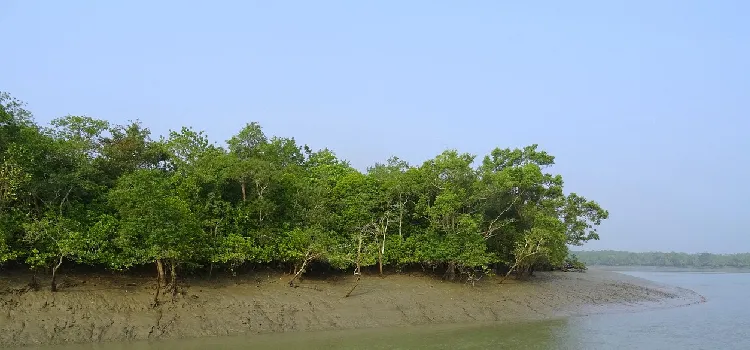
x=98 y=308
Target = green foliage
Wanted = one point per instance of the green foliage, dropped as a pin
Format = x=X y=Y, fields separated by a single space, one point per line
x=155 y=223
x=95 y=193
x=53 y=237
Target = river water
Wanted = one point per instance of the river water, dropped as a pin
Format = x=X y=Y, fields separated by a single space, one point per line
x=723 y=322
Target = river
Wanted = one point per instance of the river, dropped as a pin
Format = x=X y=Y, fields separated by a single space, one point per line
x=723 y=322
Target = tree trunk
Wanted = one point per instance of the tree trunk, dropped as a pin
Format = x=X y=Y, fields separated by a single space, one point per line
x=512 y=268
x=173 y=273
x=357 y=271
x=384 y=230
x=159 y=278
x=244 y=191
x=380 y=262
x=400 y=221
x=160 y=272
x=450 y=273
x=54 y=274
x=308 y=257
x=381 y=253
x=34 y=284
x=523 y=272
x=520 y=263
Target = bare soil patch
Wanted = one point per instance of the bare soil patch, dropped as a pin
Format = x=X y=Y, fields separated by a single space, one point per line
x=105 y=307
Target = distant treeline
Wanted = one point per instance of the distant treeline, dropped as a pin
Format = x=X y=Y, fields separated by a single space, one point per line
x=85 y=191
x=700 y=260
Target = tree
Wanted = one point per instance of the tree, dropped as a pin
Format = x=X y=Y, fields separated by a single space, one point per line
x=66 y=184
x=360 y=225
x=200 y=172
x=302 y=246
x=15 y=119
x=394 y=194
x=16 y=131
x=396 y=187
x=126 y=149
x=317 y=238
x=581 y=217
x=445 y=210
x=527 y=211
x=54 y=238
x=156 y=225
x=246 y=147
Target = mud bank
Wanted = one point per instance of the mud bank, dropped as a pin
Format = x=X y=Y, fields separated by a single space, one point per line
x=109 y=308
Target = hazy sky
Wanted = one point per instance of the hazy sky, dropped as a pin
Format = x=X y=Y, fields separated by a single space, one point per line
x=645 y=104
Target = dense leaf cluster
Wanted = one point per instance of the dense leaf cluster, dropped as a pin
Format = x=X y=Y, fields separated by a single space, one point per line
x=85 y=191
x=672 y=259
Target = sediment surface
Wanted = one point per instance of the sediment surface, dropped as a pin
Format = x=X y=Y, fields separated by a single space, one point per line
x=95 y=308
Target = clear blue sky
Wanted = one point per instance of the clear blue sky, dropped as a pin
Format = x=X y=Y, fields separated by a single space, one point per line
x=645 y=104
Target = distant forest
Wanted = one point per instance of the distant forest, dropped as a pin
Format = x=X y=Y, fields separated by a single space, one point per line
x=701 y=260
x=85 y=191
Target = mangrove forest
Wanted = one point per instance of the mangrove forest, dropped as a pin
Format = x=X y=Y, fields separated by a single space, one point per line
x=83 y=191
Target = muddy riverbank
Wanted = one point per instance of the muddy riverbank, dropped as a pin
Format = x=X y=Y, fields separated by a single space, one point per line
x=95 y=308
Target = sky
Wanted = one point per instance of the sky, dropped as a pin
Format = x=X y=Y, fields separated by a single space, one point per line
x=645 y=104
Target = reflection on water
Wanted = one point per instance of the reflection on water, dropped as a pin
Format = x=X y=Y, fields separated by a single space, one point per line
x=721 y=323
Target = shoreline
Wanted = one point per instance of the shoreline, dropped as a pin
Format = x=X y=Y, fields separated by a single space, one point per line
x=106 y=308
x=673 y=296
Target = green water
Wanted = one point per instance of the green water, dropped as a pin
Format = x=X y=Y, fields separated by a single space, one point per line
x=723 y=322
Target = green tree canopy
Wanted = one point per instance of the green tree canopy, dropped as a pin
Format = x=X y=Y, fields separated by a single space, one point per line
x=87 y=191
